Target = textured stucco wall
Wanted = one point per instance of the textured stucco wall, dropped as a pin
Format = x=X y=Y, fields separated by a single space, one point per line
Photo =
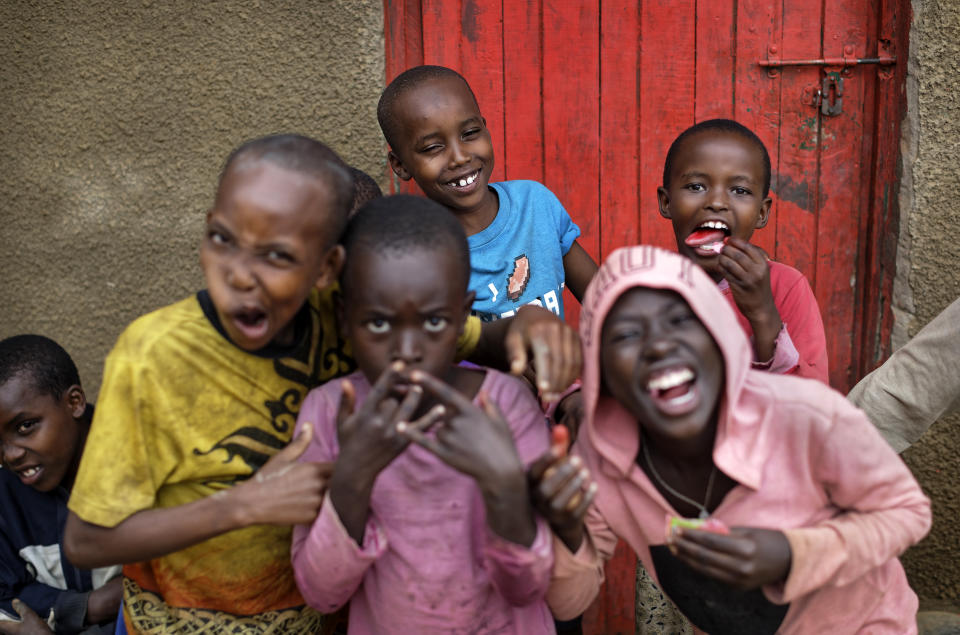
x=115 y=119
x=928 y=268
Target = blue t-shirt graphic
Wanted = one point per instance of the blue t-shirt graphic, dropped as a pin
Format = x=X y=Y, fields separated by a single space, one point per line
x=518 y=259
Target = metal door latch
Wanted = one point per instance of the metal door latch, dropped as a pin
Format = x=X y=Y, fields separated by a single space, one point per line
x=832 y=84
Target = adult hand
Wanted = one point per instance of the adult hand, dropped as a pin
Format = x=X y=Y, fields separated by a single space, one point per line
x=29 y=624
x=553 y=345
x=283 y=491
x=747 y=558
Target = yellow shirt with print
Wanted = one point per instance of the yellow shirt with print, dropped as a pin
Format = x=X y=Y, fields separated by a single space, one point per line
x=182 y=414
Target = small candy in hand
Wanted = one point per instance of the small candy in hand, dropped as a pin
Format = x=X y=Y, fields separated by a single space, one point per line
x=712 y=525
x=560 y=439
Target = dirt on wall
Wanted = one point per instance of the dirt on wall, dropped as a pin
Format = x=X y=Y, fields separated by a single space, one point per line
x=116 y=118
x=928 y=270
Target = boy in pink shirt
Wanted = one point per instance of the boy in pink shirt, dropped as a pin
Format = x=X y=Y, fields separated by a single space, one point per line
x=438 y=535
x=716 y=181
x=811 y=505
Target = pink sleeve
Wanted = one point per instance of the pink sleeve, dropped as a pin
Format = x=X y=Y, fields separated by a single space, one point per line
x=800 y=314
x=521 y=574
x=883 y=510
x=577 y=576
x=327 y=563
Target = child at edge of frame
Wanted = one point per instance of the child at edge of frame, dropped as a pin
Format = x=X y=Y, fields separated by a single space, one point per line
x=44 y=422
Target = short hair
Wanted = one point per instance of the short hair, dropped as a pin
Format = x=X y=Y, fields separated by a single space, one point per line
x=721 y=125
x=401 y=224
x=303 y=155
x=365 y=189
x=47 y=365
x=405 y=81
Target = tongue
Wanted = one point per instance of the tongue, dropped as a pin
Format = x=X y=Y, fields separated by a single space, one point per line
x=676 y=391
x=705 y=237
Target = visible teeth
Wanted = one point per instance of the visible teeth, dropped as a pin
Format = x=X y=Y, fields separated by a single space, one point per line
x=670 y=380
x=30 y=471
x=464 y=182
x=715 y=224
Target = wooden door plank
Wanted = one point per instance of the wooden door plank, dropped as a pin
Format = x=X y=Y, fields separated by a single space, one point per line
x=715 y=59
x=523 y=96
x=442 y=36
x=666 y=102
x=482 y=58
x=797 y=182
x=571 y=110
x=620 y=194
x=882 y=227
x=757 y=94
x=843 y=195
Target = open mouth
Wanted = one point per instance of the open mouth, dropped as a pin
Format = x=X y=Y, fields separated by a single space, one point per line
x=464 y=182
x=30 y=475
x=673 y=390
x=250 y=321
x=709 y=238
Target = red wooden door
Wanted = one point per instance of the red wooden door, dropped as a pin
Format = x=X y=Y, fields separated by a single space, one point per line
x=586 y=97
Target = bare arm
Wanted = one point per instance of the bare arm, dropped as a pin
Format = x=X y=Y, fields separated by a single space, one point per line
x=578 y=268
x=282 y=492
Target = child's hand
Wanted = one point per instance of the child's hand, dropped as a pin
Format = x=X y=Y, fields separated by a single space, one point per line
x=478 y=442
x=747 y=558
x=569 y=412
x=746 y=270
x=29 y=624
x=103 y=603
x=555 y=347
x=283 y=491
x=369 y=442
x=562 y=493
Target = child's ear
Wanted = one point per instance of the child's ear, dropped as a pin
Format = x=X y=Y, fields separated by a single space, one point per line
x=397 y=166
x=764 y=214
x=332 y=264
x=75 y=401
x=663 y=199
x=467 y=305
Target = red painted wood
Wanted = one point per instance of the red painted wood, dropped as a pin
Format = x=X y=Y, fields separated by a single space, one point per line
x=797 y=186
x=757 y=95
x=620 y=192
x=522 y=93
x=586 y=97
x=666 y=102
x=842 y=204
x=571 y=112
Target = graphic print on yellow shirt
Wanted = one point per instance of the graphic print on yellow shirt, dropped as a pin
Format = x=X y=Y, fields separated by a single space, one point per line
x=183 y=413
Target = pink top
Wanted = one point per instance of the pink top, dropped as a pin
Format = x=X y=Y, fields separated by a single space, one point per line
x=801 y=347
x=805 y=460
x=429 y=563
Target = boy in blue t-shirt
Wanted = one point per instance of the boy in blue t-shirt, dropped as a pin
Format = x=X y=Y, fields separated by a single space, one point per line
x=523 y=247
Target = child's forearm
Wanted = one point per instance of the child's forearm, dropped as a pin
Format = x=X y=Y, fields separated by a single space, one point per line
x=351 y=500
x=150 y=533
x=508 y=510
x=766 y=328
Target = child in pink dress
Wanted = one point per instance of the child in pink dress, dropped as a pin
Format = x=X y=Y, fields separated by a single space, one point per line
x=438 y=535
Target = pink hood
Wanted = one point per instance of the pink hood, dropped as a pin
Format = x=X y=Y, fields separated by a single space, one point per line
x=646 y=266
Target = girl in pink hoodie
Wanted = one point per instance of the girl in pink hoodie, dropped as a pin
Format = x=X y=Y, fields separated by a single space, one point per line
x=808 y=506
